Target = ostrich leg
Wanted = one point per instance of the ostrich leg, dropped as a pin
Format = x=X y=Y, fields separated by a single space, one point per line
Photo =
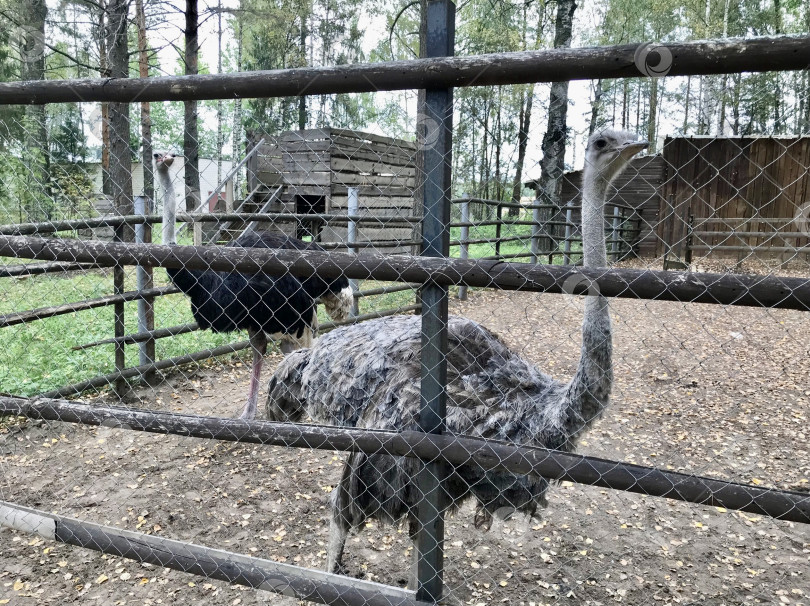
x=258 y=342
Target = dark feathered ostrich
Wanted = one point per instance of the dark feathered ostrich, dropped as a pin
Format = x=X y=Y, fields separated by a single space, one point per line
x=368 y=375
x=282 y=306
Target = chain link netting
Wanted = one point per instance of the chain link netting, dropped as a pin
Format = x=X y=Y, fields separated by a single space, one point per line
x=718 y=391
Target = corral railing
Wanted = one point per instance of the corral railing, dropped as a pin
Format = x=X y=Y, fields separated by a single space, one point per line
x=435 y=271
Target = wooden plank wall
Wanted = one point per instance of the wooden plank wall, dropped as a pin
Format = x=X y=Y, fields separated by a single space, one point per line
x=384 y=171
x=741 y=185
x=327 y=162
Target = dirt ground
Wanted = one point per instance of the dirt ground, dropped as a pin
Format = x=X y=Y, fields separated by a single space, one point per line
x=714 y=391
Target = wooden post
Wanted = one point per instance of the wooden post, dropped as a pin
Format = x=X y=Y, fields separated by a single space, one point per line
x=351 y=238
x=499 y=218
x=144 y=280
x=569 y=218
x=118 y=317
x=537 y=229
x=464 y=251
x=614 y=235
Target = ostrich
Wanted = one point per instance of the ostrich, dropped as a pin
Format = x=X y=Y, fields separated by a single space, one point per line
x=368 y=375
x=284 y=306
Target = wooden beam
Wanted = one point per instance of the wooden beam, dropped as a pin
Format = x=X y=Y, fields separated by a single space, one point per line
x=48 y=227
x=456 y=450
x=725 y=289
x=256 y=573
x=688 y=58
x=22 y=317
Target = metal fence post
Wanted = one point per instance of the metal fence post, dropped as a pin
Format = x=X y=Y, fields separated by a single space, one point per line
x=534 y=246
x=499 y=218
x=464 y=251
x=437 y=113
x=351 y=238
x=615 y=234
x=569 y=219
x=143 y=277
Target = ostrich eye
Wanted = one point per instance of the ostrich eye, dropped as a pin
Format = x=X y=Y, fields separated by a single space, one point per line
x=600 y=144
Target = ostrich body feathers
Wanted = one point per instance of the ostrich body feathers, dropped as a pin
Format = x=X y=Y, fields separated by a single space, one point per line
x=368 y=375
x=229 y=301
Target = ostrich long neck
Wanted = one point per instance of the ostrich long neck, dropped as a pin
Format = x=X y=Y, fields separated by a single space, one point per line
x=169 y=208
x=589 y=389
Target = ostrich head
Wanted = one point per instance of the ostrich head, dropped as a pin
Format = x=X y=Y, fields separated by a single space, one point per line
x=609 y=152
x=163 y=161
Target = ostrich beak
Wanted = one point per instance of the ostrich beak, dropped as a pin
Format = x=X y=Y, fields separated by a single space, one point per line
x=631 y=148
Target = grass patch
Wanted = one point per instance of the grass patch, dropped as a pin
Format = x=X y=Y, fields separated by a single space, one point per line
x=37 y=356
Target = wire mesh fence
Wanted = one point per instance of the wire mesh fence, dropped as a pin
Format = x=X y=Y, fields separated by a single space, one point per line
x=289 y=297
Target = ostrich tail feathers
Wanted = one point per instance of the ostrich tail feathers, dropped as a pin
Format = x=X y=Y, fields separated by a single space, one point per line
x=338 y=305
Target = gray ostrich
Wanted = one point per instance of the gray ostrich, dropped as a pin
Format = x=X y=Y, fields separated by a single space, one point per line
x=368 y=375
x=262 y=304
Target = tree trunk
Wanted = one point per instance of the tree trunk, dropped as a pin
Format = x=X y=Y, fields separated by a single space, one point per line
x=686 y=105
x=237 y=150
x=36 y=196
x=302 y=100
x=120 y=155
x=595 y=107
x=496 y=142
x=220 y=135
x=652 y=116
x=104 y=72
x=191 y=141
x=625 y=103
x=553 y=147
x=523 y=140
x=146 y=117
x=120 y=161
x=524 y=122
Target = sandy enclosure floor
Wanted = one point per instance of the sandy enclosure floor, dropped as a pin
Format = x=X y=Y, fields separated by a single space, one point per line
x=715 y=391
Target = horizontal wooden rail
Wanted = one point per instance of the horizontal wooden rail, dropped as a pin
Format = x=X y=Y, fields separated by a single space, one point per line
x=173 y=331
x=287 y=579
x=372 y=244
x=777 y=235
x=49 y=227
x=688 y=58
x=22 y=317
x=571 y=204
x=38 y=269
x=137 y=372
x=140 y=337
x=455 y=450
x=725 y=289
x=763 y=248
x=737 y=221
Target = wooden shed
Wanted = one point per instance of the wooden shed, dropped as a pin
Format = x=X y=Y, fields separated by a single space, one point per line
x=310 y=172
x=720 y=196
x=734 y=196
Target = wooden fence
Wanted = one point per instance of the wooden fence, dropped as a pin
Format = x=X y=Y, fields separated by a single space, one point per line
x=716 y=197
